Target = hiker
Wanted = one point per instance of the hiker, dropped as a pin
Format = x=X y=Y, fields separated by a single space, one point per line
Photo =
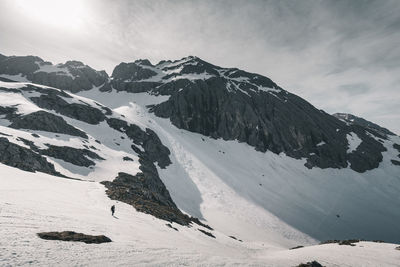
x=112 y=210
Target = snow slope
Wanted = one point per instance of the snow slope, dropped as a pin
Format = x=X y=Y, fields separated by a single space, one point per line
x=35 y=202
x=208 y=174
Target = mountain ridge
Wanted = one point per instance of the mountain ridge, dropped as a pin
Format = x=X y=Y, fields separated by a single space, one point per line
x=233 y=104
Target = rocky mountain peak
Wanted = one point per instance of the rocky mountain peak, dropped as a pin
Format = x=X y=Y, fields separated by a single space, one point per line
x=144 y=62
x=74 y=63
x=73 y=76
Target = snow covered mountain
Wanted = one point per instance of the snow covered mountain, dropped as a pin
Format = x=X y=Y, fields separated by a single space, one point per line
x=226 y=152
x=73 y=76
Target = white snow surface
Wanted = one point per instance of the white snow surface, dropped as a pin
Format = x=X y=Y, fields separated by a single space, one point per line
x=354 y=141
x=34 y=202
x=50 y=68
x=269 y=201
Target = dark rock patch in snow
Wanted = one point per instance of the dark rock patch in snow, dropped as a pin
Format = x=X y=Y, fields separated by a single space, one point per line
x=170 y=226
x=76 y=237
x=82 y=112
x=310 y=264
x=24 y=159
x=127 y=159
x=44 y=121
x=395 y=162
x=8 y=112
x=348 y=242
x=297 y=247
x=4 y=134
x=72 y=155
x=231 y=236
x=207 y=233
x=396 y=146
x=146 y=193
x=155 y=151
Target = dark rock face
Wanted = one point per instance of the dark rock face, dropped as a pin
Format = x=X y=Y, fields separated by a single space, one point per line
x=278 y=121
x=155 y=151
x=53 y=99
x=73 y=236
x=44 y=121
x=397 y=147
x=133 y=71
x=25 y=159
x=8 y=112
x=310 y=264
x=146 y=192
x=236 y=105
x=170 y=226
x=128 y=76
x=349 y=242
x=73 y=75
x=16 y=65
x=349 y=118
x=72 y=155
x=207 y=233
x=395 y=162
x=76 y=111
x=297 y=247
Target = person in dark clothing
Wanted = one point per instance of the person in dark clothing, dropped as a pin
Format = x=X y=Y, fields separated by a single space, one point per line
x=112 y=210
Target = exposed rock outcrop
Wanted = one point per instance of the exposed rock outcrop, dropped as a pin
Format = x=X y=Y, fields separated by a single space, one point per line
x=25 y=159
x=279 y=122
x=310 y=264
x=155 y=151
x=45 y=121
x=76 y=237
x=76 y=156
x=146 y=192
x=82 y=112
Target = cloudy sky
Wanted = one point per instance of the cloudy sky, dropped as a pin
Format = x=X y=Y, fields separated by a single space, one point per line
x=342 y=56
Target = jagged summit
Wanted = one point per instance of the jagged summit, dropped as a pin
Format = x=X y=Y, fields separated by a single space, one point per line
x=226 y=103
x=72 y=75
x=191 y=68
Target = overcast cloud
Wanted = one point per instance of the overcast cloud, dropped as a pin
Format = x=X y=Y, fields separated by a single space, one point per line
x=342 y=56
